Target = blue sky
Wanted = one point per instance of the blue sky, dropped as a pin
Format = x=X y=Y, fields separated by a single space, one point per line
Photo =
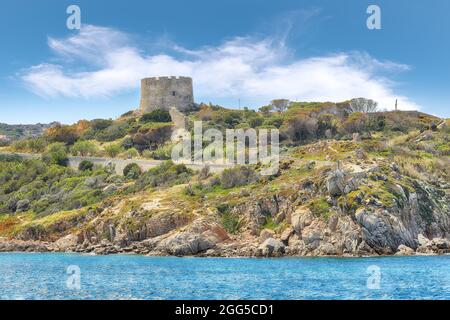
x=250 y=50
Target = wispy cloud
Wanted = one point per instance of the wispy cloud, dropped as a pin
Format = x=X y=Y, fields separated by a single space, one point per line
x=256 y=70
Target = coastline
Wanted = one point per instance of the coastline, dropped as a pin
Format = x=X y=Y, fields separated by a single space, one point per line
x=20 y=246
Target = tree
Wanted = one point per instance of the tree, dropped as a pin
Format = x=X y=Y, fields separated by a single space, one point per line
x=280 y=105
x=62 y=133
x=363 y=105
x=83 y=148
x=266 y=109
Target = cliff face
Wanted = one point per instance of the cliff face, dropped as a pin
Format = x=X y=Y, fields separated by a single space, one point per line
x=347 y=207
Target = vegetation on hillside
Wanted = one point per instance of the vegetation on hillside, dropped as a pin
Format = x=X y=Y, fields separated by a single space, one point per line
x=400 y=149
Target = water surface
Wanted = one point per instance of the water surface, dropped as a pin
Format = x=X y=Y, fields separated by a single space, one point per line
x=44 y=276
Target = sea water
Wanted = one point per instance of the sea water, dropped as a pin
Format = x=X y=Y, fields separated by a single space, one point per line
x=71 y=276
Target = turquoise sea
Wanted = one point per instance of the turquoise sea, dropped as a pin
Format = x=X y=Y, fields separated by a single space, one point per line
x=70 y=276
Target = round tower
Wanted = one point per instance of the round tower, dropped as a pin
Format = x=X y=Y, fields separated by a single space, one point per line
x=165 y=93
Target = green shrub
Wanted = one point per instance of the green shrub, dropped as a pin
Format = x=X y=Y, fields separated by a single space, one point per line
x=132 y=171
x=113 y=150
x=37 y=145
x=84 y=148
x=132 y=153
x=113 y=132
x=320 y=207
x=158 y=115
x=165 y=175
x=231 y=222
x=56 y=154
x=164 y=152
x=46 y=188
x=19 y=146
x=85 y=165
x=238 y=176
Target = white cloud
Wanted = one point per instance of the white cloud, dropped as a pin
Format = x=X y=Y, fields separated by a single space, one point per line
x=255 y=70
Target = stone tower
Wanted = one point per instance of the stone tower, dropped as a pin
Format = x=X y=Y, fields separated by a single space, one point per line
x=166 y=93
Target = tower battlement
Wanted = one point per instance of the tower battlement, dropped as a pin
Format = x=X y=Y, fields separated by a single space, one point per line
x=166 y=92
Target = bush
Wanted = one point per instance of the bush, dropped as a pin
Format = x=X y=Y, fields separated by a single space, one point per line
x=355 y=123
x=132 y=153
x=45 y=188
x=127 y=143
x=166 y=174
x=19 y=146
x=84 y=148
x=85 y=165
x=100 y=124
x=113 y=150
x=132 y=171
x=300 y=130
x=255 y=121
x=37 y=145
x=152 y=138
x=62 y=133
x=56 y=154
x=113 y=132
x=158 y=115
x=273 y=121
x=164 y=152
x=204 y=173
x=127 y=114
x=238 y=176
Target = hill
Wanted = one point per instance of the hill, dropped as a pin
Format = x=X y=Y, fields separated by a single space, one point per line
x=350 y=183
x=10 y=132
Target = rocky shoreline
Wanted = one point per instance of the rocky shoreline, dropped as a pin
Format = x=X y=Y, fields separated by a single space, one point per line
x=269 y=248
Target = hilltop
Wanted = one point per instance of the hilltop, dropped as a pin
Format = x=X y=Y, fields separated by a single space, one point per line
x=351 y=182
x=10 y=132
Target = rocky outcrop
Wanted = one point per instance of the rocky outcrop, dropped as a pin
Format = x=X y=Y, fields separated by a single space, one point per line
x=7 y=245
x=334 y=213
x=433 y=246
x=271 y=248
x=404 y=251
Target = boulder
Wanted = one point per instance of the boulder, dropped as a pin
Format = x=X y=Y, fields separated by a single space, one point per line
x=186 y=243
x=434 y=246
x=66 y=243
x=327 y=249
x=271 y=248
x=404 y=251
x=286 y=235
x=423 y=241
x=312 y=237
x=266 y=234
x=336 y=183
x=300 y=219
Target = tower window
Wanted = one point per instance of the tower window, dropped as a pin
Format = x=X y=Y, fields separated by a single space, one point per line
x=173 y=93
